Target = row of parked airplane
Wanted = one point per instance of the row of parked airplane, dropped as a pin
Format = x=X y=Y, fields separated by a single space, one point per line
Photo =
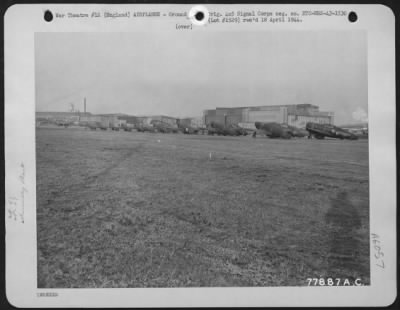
x=269 y=129
x=284 y=131
x=312 y=130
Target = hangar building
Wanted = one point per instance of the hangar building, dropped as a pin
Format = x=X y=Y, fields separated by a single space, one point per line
x=295 y=115
x=107 y=120
x=196 y=122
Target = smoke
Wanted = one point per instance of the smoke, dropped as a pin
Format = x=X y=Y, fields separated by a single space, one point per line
x=360 y=115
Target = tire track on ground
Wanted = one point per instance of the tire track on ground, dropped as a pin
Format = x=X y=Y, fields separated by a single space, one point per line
x=92 y=178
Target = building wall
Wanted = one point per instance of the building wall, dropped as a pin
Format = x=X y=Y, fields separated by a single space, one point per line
x=231 y=116
x=121 y=122
x=272 y=114
x=300 y=121
x=224 y=116
x=169 y=120
x=246 y=115
x=302 y=109
x=130 y=120
x=109 y=121
x=143 y=120
x=233 y=119
x=105 y=120
x=59 y=116
x=209 y=118
x=295 y=115
x=250 y=126
x=90 y=118
x=196 y=122
x=165 y=119
x=185 y=121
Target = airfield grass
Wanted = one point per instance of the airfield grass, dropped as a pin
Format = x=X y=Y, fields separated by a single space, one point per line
x=129 y=209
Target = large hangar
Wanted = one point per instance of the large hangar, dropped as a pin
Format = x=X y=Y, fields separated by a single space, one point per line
x=296 y=115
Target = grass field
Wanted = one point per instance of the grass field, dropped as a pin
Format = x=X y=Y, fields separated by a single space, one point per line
x=128 y=209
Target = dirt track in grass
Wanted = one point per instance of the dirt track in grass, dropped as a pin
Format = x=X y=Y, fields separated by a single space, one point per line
x=128 y=209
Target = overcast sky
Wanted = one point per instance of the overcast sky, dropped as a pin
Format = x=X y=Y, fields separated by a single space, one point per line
x=181 y=73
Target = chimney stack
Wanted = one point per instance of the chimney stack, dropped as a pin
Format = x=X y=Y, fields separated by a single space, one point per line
x=84 y=105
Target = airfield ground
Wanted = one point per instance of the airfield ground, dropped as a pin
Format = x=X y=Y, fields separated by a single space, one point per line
x=128 y=209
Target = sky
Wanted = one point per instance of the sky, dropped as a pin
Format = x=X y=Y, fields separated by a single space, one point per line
x=182 y=73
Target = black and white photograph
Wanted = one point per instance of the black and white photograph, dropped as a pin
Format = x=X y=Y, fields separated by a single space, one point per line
x=173 y=160
x=200 y=155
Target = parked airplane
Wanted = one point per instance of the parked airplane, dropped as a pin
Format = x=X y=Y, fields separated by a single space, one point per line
x=231 y=130
x=63 y=123
x=360 y=130
x=296 y=132
x=275 y=130
x=320 y=131
x=95 y=125
x=145 y=128
x=239 y=130
x=164 y=127
x=187 y=129
x=127 y=127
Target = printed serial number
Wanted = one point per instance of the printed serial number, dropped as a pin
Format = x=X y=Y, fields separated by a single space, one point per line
x=333 y=282
x=47 y=294
x=325 y=13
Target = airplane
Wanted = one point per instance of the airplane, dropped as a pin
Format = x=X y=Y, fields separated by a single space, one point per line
x=231 y=130
x=122 y=127
x=126 y=127
x=144 y=128
x=187 y=129
x=63 y=123
x=360 y=130
x=239 y=130
x=274 y=130
x=297 y=132
x=91 y=126
x=320 y=131
x=95 y=125
x=163 y=127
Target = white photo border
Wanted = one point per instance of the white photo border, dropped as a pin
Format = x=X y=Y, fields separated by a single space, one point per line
x=23 y=21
